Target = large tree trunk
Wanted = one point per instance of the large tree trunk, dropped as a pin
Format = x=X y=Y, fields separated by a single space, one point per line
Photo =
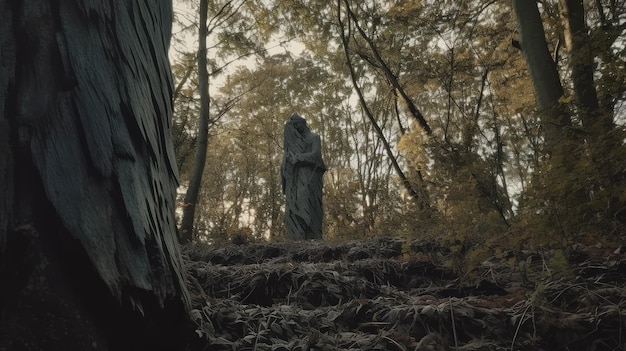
x=195 y=180
x=581 y=63
x=605 y=143
x=543 y=72
x=565 y=196
x=88 y=248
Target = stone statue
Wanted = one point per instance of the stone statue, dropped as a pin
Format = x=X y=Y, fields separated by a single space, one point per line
x=301 y=173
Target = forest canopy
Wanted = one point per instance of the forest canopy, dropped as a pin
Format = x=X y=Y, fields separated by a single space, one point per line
x=437 y=118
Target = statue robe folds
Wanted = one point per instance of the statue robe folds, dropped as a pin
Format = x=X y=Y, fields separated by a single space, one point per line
x=302 y=173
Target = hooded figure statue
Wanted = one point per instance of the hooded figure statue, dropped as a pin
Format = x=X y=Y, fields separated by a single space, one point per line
x=301 y=174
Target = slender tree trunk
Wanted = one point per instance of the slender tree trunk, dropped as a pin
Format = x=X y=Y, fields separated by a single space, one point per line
x=413 y=110
x=421 y=201
x=193 y=190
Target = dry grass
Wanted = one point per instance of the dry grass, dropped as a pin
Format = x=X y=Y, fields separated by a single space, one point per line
x=386 y=294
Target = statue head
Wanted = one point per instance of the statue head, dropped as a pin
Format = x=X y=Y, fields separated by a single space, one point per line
x=298 y=122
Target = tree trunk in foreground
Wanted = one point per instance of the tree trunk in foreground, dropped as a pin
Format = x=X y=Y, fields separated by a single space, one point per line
x=88 y=251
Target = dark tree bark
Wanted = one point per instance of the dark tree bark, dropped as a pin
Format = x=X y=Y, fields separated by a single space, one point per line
x=599 y=123
x=88 y=248
x=543 y=72
x=603 y=140
x=562 y=144
x=195 y=180
x=546 y=85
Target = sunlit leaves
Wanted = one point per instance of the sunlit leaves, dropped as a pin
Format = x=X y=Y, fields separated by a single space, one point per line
x=456 y=62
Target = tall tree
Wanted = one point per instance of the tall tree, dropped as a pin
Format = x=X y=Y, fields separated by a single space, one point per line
x=581 y=63
x=345 y=32
x=581 y=177
x=89 y=257
x=195 y=179
x=542 y=68
x=227 y=33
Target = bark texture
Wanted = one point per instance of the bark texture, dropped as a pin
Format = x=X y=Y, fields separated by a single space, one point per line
x=88 y=243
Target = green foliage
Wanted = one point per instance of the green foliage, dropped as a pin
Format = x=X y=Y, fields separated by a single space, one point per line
x=487 y=175
x=559 y=265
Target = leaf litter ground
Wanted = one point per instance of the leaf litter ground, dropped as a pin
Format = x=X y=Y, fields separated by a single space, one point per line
x=392 y=294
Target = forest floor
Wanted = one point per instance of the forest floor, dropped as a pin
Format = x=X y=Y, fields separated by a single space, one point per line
x=394 y=294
